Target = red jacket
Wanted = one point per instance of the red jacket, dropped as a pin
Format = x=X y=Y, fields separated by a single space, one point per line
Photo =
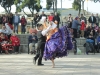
x=82 y=26
x=15 y=41
x=5 y=39
x=23 y=21
x=10 y=25
x=50 y=18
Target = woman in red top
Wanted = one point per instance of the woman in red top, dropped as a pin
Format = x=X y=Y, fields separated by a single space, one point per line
x=50 y=18
x=4 y=42
x=23 y=24
x=82 y=28
x=15 y=42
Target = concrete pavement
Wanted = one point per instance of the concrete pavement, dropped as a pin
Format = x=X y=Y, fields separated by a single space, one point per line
x=22 y=64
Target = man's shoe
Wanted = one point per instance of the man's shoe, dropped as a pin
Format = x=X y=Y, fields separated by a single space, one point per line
x=34 y=61
x=40 y=64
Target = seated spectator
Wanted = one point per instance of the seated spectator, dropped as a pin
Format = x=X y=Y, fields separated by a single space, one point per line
x=6 y=30
x=87 y=31
x=96 y=29
x=4 y=42
x=98 y=43
x=32 y=39
x=90 y=42
x=15 y=42
x=74 y=44
x=10 y=31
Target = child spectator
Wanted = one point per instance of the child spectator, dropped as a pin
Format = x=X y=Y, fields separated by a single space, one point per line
x=15 y=42
x=82 y=28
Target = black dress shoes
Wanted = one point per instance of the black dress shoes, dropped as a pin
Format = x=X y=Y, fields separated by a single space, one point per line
x=40 y=64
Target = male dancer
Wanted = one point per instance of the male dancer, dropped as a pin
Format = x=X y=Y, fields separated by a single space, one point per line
x=41 y=45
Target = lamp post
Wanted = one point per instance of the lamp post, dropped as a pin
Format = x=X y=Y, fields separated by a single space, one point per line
x=61 y=13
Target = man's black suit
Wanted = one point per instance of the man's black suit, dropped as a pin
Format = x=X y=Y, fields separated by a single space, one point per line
x=40 y=48
x=92 y=21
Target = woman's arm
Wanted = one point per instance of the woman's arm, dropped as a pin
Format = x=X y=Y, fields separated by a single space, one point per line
x=44 y=32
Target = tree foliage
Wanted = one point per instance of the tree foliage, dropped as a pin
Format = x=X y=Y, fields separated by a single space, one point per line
x=77 y=5
x=48 y=4
x=17 y=4
x=6 y=4
x=31 y=4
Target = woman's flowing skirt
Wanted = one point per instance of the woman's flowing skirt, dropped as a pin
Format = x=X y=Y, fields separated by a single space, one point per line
x=58 y=44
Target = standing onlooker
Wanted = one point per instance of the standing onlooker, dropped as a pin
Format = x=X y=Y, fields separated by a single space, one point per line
x=92 y=20
x=56 y=19
x=50 y=18
x=10 y=19
x=15 y=42
x=42 y=15
x=16 y=21
x=36 y=18
x=23 y=24
x=75 y=25
x=4 y=19
x=83 y=18
x=70 y=19
x=97 y=20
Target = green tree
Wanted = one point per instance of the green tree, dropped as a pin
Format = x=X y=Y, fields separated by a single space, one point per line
x=6 y=4
x=32 y=5
x=77 y=5
x=49 y=4
x=17 y=4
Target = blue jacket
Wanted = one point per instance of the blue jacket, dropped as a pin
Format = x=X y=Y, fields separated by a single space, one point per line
x=90 y=40
x=14 y=19
x=98 y=39
x=75 y=24
x=30 y=39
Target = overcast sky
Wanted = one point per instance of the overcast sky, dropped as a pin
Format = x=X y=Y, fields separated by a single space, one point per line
x=92 y=7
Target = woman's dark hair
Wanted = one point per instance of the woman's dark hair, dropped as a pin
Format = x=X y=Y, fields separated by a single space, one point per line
x=38 y=25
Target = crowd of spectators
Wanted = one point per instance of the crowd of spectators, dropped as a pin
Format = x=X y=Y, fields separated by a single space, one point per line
x=83 y=27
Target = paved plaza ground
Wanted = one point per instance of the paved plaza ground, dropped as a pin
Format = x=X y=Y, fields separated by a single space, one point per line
x=22 y=64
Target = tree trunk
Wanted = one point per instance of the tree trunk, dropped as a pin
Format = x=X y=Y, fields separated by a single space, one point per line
x=33 y=13
x=9 y=9
x=24 y=12
x=53 y=7
x=79 y=8
x=56 y=6
x=6 y=9
x=83 y=7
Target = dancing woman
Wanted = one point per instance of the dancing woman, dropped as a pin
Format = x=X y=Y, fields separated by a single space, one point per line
x=57 y=43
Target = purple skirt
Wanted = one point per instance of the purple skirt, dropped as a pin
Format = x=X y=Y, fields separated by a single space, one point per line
x=58 y=44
